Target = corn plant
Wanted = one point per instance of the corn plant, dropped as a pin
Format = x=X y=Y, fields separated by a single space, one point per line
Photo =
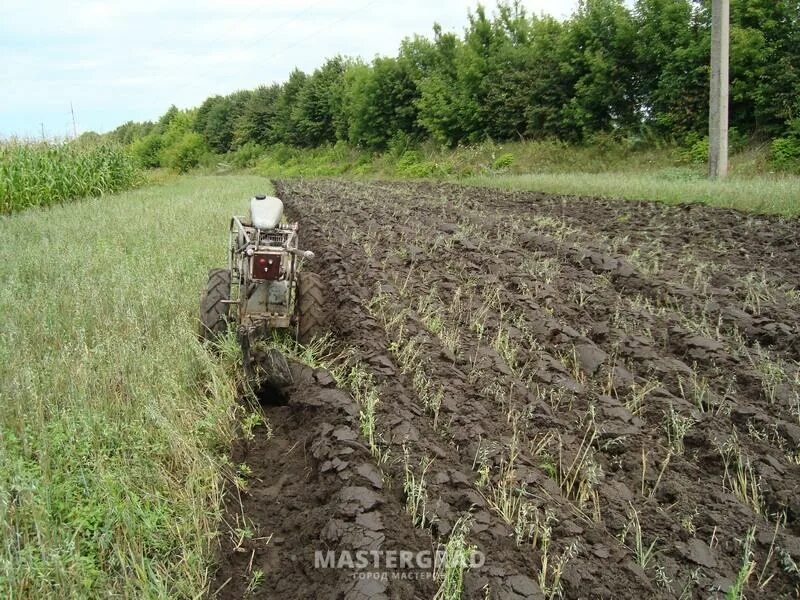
x=41 y=174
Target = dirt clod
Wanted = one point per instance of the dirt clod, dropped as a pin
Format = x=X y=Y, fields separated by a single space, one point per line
x=633 y=371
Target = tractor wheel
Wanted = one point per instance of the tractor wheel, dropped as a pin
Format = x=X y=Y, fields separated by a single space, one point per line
x=310 y=310
x=214 y=309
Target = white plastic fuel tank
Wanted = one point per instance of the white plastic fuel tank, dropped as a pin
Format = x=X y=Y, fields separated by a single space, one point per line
x=266 y=212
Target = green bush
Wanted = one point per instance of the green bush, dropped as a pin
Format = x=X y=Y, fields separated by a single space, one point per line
x=399 y=143
x=785 y=154
x=606 y=141
x=147 y=150
x=503 y=162
x=412 y=164
x=283 y=153
x=698 y=150
x=282 y=160
x=247 y=156
x=186 y=153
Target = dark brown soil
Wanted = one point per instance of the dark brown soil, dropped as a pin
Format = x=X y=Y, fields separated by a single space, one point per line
x=600 y=322
x=312 y=486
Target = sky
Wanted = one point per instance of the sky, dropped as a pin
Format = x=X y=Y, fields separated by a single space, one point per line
x=113 y=61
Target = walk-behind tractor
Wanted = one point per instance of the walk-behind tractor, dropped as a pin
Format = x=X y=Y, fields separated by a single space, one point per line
x=264 y=287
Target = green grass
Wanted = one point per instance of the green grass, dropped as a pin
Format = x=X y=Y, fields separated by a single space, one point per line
x=778 y=195
x=42 y=173
x=113 y=420
x=611 y=169
x=431 y=160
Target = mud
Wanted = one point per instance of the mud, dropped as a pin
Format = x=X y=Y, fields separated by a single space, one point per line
x=618 y=368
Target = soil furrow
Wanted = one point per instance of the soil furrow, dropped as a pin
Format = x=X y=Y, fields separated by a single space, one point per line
x=608 y=391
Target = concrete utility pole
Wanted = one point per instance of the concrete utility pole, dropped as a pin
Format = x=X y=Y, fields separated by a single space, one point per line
x=718 y=115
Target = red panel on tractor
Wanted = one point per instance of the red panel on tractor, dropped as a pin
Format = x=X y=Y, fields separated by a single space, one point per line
x=266 y=266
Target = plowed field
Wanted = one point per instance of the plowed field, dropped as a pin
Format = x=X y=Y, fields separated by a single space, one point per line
x=602 y=396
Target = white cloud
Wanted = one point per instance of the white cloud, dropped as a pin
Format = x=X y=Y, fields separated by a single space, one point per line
x=120 y=60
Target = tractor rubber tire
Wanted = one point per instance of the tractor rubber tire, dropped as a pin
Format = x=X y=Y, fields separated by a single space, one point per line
x=214 y=308
x=310 y=310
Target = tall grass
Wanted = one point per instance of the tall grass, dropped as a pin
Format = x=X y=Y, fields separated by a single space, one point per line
x=42 y=174
x=611 y=169
x=778 y=195
x=432 y=160
x=113 y=419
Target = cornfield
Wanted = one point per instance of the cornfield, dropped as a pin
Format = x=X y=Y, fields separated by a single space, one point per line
x=41 y=174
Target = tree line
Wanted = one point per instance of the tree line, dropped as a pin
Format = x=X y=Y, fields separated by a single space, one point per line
x=608 y=69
